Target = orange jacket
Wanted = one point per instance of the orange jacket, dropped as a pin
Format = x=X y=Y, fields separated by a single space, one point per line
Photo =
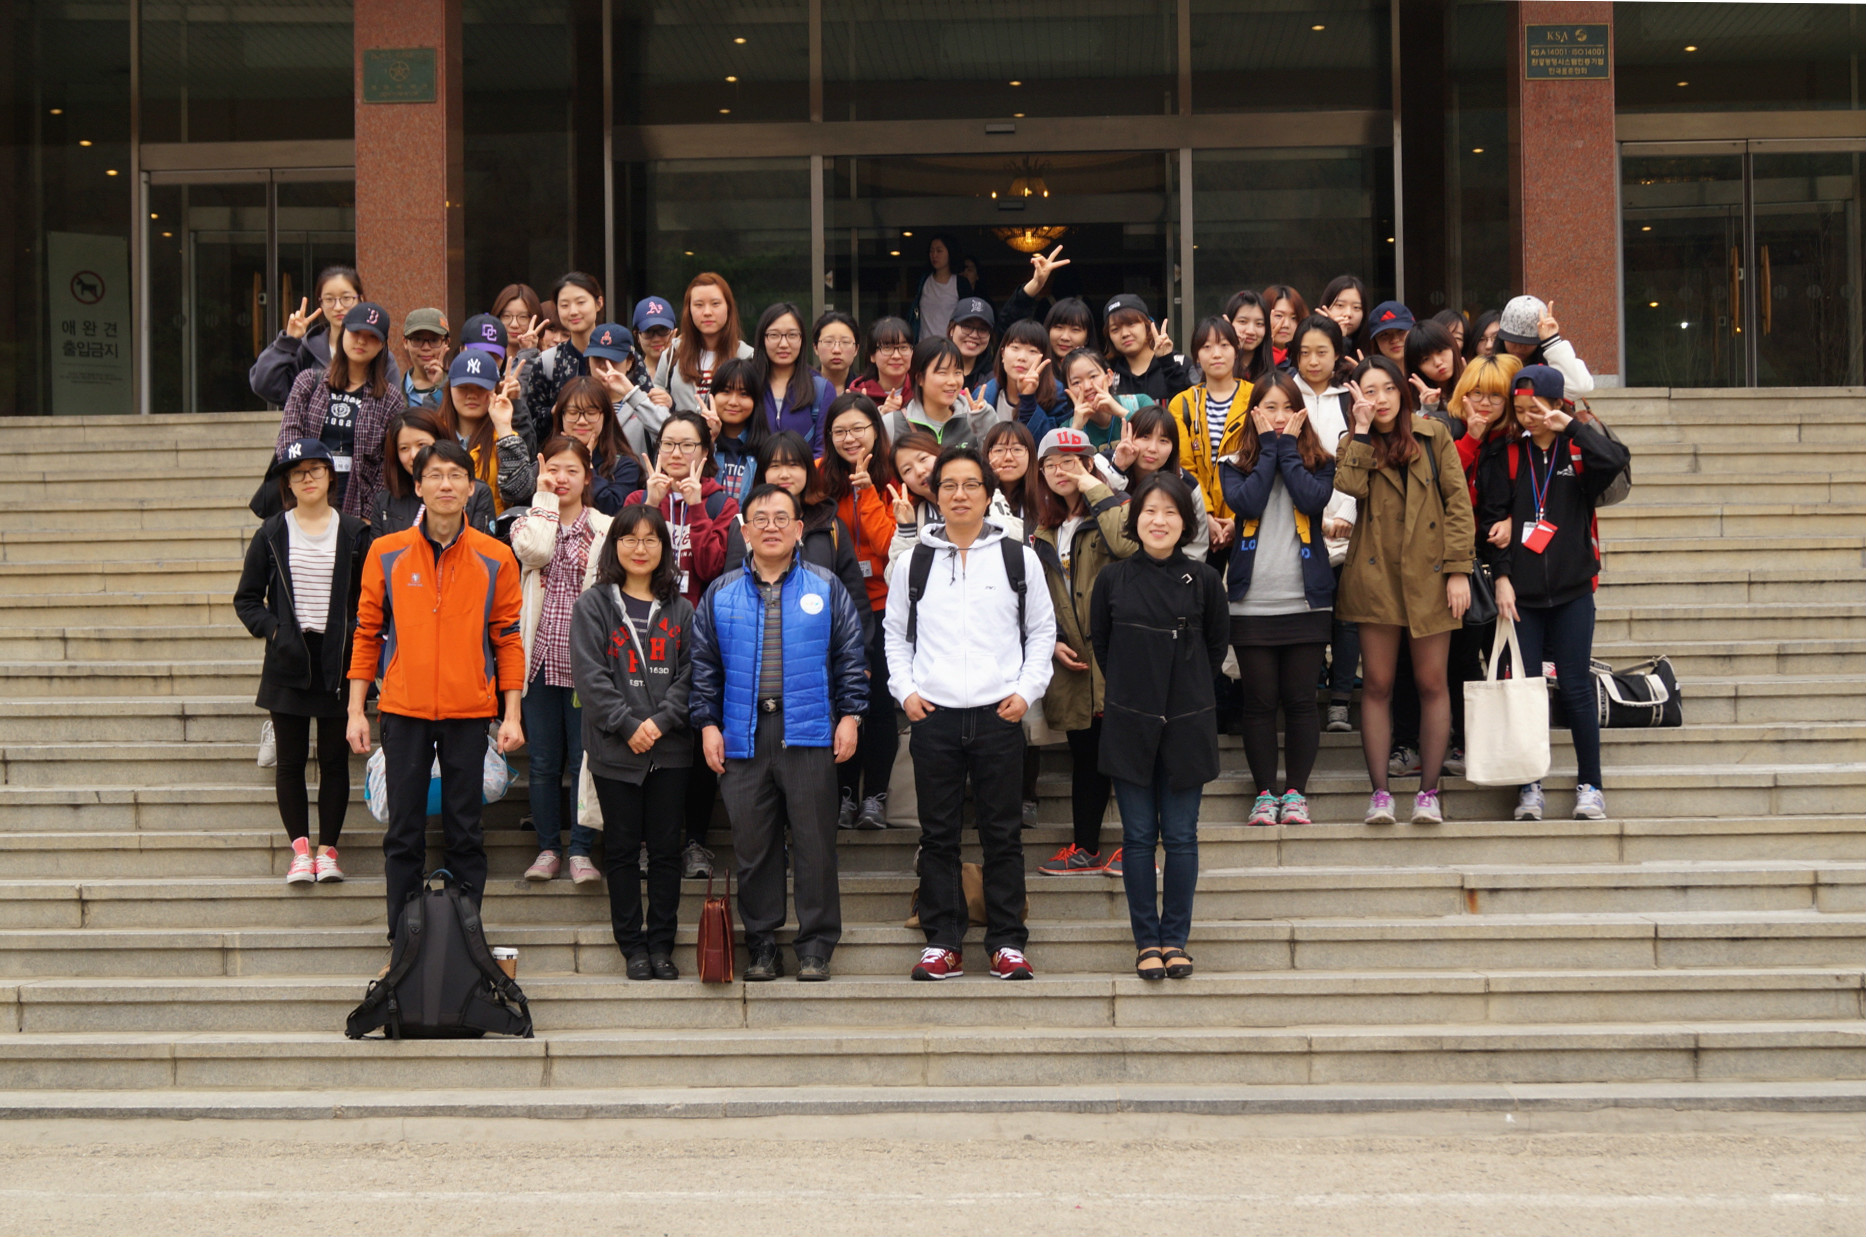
x=874 y=533
x=443 y=638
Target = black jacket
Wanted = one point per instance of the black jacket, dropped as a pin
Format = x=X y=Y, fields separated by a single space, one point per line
x=1165 y=378
x=827 y=543
x=1566 y=569
x=622 y=684
x=1159 y=629
x=392 y=515
x=263 y=601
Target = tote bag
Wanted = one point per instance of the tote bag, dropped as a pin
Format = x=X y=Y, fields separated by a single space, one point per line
x=1506 y=721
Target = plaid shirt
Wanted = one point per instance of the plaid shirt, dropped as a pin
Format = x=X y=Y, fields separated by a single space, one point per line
x=563 y=581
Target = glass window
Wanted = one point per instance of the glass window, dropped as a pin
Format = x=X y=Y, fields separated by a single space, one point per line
x=1300 y=217
x=254 y=70
x=699 y=61
x=746 y=219
x=925 y=59
x=1324 y=54
x=1480 y=187
x=1735 y=57
x=1808 y=328
x=207 y=288
x=1682 y=255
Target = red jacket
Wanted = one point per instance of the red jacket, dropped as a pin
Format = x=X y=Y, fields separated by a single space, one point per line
x=873 y=531
x=443 y=637
x=699 y=534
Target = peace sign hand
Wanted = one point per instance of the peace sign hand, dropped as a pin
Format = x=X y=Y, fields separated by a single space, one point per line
x=707 y=411
x=1362 y=410
x=527 y=338
x=690 y=488
x=1475 y=422
x=299 y=323
x=1126 y=451
x=1043 y=266
x=1428 y=394
x=1031 y=379
x=858 y=477
x=658 y=483
x=1552 y=416
x=1163 y=341
x=501 y=409
x=904 y=512
x=1548 y=328
x=892 y=404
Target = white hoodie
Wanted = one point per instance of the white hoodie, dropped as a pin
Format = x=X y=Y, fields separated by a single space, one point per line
x=967 y=653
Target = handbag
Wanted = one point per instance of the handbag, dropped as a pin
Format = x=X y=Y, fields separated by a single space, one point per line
x=1506 y=721
x=714 y=949
x=1483 y=607
x=589 y=808
x=1640 y=696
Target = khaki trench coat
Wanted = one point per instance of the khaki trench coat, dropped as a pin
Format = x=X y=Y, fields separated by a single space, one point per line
x=1075 y=696
x=1411 y=534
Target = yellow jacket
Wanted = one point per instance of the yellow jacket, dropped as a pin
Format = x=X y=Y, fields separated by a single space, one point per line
x=1195 y=441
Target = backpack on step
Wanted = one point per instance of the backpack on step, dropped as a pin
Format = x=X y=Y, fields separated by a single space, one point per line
x=442 y=981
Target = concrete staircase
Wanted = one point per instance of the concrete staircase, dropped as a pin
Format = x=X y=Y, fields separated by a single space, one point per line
x=1713 y=931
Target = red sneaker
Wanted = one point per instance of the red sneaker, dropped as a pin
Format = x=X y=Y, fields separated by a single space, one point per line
x=937 y=963
x=1072 y=860
x=1010 y=963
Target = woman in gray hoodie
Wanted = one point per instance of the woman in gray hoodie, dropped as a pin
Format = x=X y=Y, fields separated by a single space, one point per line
x=630 y=660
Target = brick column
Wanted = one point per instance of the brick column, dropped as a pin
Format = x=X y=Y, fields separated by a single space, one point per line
x=410 y=225
x=1564 y=191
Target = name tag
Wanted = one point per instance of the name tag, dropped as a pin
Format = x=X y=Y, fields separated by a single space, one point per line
x=1536 y=536
x=684 y=578
x=867 y=569
x=342 y=462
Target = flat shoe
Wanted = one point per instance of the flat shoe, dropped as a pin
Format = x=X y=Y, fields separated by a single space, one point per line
x=1180 y=969
x=663 y=966
x=640 y=968
x=1149 y=972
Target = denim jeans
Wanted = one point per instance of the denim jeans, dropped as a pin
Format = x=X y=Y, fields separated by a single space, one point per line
x=1564 y=634
x=1158 y=814
x=554 y=737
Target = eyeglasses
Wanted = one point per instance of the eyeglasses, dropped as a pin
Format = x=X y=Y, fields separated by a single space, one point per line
x=426 y=345
x=582 y=414
x=680 y=448
x=634 y=544
x=338 y=302
x=961 y=487
x=770 y=523
x=520 y=321
x=853 y=433
x=783 y=337
x=894 y=349
x=1009 y=448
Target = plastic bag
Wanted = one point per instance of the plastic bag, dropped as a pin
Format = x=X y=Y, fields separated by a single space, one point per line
x=496 y=777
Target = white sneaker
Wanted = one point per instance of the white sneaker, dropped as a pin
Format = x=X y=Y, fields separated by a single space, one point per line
x=583 y=871
x=1530 y=802
x=268 y=746
x=327 y=870
x=1589 y=803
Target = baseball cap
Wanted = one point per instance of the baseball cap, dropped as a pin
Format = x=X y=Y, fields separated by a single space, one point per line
x=483 y=331
x=369 y=317
x=1542 y=381
x=1521 y=320
x=473 y=368
x=1389 y=316
x=1065 y=441
x=425 y=320
x=1126 y=300
x=297 y=452
x=652 y=311
x=611 y=341
x=970 y=307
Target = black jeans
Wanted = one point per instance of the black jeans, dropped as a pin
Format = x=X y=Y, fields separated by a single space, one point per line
x=947 y=746
x=873 y=767
x=782 y=783
x=1088 y=786
x=1280 y=674
x=410 y=746
x=1344 y=655
x=651 y=813
x=702 y=794
x=293 y=736
x=1564 y=634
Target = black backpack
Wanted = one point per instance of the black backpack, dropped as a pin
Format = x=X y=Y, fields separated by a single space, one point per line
x=920 y=567
x=442 y=981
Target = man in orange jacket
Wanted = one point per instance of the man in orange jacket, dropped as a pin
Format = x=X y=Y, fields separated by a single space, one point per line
x=438 y=622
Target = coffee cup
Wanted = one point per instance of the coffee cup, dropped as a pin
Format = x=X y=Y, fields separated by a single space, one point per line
x=507 y=958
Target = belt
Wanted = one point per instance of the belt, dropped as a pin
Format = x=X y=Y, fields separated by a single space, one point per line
x=770 y=704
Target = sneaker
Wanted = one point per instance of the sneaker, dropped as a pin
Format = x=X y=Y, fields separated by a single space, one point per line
x=1338 y=719
x=544 y=867
x=812 y=969
x=583 y=871
x=1114 y=866
x=696 y=862
x=644 y=859
x=268 y=746
x=1030 y=813
x=937 y=963
x=1295 y=809
x=1380 y=808
x=1454 y=762
x=845 y=815
x=1263 y=812
x=764 y=964
x=1426 y=809
x=1589 y=803
x=303 y=871
x=1530 y=802
x=1072 y=860
x=1010 y=963
x=327 y=869
x=1404 y=762
x=874 y=813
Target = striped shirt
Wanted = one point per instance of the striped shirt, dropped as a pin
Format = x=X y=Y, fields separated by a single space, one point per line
x=313 y=561
x=771 y=665
x=1217 y=412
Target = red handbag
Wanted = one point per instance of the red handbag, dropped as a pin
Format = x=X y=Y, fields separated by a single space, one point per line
x=715 y=944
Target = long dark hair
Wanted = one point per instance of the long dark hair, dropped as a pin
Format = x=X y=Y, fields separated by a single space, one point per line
x=686 y=416
x=1331 y=331
x=1251 y=365
x=577 y=279
x=1475 y=333
x=800 y=391
x=663 y=581
x=836 y=470
x=1347 y=283
x=1221 y=327
x=1074 y=311
x=561 y=442
x=1281 y=292
x=738 y=374
x=1150 y=417
x=790 y=447
x=1026 y=331
x=1308 y=442
x=1016 y=493
x=689 y=345
x=1427 y=339
x=337 y=373
x=430 y=421
x=1046 y=504
x=336 y=271
x=928 y=353
x=487 y=457
x=1398 y=446
x=612 y=444
x=534 y=308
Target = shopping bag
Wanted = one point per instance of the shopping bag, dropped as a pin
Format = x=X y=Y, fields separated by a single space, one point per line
x=589 y=810
x=1506 y=721
x=496 y=777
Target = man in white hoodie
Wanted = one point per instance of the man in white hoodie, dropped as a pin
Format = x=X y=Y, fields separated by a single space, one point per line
x=970 y=639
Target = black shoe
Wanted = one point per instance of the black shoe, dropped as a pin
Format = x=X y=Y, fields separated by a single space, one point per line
x=640 y=968
x=812 y=969
x=845 y=815
x=766 y=964
x=663 y=966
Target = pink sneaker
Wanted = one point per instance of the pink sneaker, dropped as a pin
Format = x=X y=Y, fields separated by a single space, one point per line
x=302 y=871
x=544 y=867
x=327 y=869
x=582 y=871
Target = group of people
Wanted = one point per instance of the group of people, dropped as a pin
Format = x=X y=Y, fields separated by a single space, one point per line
x=685 y=566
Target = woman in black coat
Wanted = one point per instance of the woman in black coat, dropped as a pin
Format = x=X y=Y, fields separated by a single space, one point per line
x=298 y=592
x=1159 y=622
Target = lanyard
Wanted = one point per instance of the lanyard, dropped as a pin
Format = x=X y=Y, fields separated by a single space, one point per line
x=1541 y=492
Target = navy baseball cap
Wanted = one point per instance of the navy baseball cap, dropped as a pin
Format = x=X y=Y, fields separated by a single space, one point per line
x=485 y=332
x=611 y=341
x=1543 y=381
x=1389 y=316
x=300 y=451
x=1126 y=300
x=973 y=307
x=652 y=311
x=473 y=368
x=369 y=317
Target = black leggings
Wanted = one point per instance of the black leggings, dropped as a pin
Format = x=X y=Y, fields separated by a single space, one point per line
x=873 y=767
x=1089 y=787
x=1284 y=674
x=293 y=734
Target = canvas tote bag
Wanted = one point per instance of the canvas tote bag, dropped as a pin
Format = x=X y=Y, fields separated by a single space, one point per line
x=1506 y=721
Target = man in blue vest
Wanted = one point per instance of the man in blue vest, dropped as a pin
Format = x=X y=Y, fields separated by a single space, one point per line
x=780 y=681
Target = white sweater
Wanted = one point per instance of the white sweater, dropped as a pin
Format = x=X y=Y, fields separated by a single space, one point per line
x=1330 y=425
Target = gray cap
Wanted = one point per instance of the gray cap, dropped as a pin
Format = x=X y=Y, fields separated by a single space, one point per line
x=1521 y=320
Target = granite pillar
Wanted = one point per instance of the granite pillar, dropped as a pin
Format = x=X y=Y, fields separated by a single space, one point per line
x=1564 y=190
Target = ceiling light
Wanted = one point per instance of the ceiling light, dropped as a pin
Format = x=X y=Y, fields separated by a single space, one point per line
x=1389 y=240
x=1647 y=228
x=1017 y=115
x=168 y=234
x=1477 y=150
x=58 y=111
x=740 y=39
x=1017 y=83
x=894 y=253
x=1691 y=47
x=725 y=111
x=153 y=215
x=1030 y=240
x=110 y=171
x=906 y=233
x=1652 y=304
x=84 y=141
x=731 y=78
x=1684 y=83
x=1318 y=27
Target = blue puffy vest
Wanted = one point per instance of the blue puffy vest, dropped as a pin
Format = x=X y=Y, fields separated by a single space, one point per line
x=739 y=620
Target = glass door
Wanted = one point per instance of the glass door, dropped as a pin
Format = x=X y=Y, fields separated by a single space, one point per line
x=1807 y=220
x=1682 y=254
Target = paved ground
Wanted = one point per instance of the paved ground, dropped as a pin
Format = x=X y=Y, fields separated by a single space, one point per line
x=1646 y=1174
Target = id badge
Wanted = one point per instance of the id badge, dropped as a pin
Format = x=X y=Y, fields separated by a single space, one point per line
x=684 y=578
x=867 y=569
x=1536 y=536
x=342 y=462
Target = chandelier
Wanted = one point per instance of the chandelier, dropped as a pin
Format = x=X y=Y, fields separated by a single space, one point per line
x=1030 y=240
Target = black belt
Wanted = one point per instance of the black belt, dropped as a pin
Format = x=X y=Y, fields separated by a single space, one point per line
x=770 y=704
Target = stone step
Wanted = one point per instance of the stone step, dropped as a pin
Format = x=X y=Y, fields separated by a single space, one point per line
x=238 y=480
x=1718 y=520
x=241 y=455
x=167 y=514
x=101 y=609
x=1230 y=893
x=216 y=575
x=156 y=642
x=1763 y=586
x=1626 y=555
x=94 y=545
x=939 y=1057
x=1829 y=620
x=1768 y=486
x=257 y=427
x=1844 y=456
x=1560 y=943
x=23 y=680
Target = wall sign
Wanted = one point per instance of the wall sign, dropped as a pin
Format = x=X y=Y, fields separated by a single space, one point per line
x=1553 y=53
x=398 y=75
x=88 y=300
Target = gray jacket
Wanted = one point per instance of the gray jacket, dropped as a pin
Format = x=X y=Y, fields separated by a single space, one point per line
x=620 y=685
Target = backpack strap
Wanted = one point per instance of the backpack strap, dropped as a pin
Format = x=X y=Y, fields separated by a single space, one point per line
x=919 y=568
x=380 y=1009
x=1014 y=572
x=481 y=956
